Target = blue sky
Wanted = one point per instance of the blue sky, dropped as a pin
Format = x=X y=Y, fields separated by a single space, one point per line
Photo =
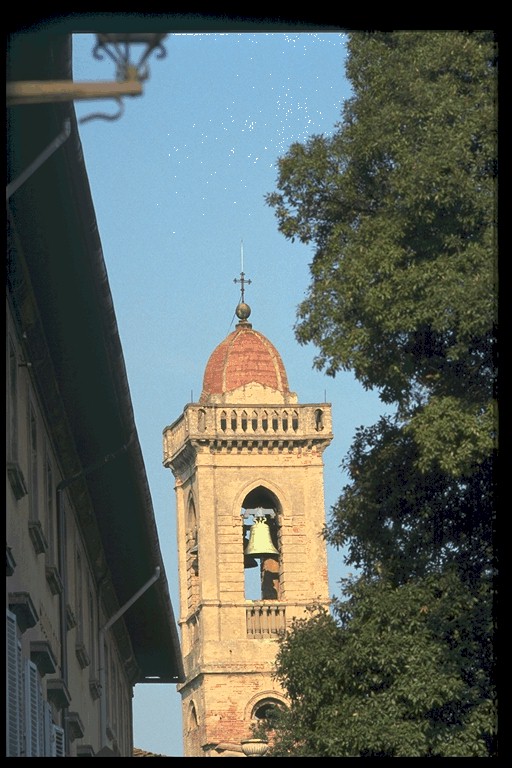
x=178 y=182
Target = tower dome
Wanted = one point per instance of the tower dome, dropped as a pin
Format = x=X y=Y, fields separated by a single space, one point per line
x=245 y=367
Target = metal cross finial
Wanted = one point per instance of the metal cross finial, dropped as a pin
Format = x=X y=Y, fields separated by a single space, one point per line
x=243 y=279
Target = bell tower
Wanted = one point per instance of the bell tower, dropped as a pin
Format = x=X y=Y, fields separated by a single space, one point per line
x=248 y=471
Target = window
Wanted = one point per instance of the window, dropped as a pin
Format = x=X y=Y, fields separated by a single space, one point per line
x=12 y=422
x=92 y=633
x=14 y=712
x=192 y=555
x=319 y=419
x=34 y=712
x=33 y=464
x=50 y=512
x=30 y=728
x=35 y=527
x=79 y=598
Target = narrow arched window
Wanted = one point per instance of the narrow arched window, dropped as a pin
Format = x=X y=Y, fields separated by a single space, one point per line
x=192 y=549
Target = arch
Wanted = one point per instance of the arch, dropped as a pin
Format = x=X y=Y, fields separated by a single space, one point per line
x=201 y=420
x=279 y=495
x=261 y=700
x=191 y=513
x=192 y=719
x=260 y=502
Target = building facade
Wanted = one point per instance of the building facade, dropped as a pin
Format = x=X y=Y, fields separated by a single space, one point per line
x=248 y=468
x=88 y=611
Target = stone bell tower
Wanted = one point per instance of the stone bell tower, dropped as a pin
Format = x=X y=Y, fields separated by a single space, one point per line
x=248 y=469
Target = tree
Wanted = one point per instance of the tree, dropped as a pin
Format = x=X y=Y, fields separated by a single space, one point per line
x=400 y=204
x=404 y=672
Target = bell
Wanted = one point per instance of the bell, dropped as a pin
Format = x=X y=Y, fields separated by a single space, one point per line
x=260 y=541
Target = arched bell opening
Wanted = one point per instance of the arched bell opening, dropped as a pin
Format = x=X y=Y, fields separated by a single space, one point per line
x=261 y=545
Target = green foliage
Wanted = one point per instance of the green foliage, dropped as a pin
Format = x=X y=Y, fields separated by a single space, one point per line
x=400 y=206
x=405 y=672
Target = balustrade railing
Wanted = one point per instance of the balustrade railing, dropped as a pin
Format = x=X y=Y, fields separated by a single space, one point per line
x=265 y=620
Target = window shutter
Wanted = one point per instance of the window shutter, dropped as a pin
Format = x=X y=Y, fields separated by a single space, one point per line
x=48 y=733
x=57 y=742
x=14 y=690
x=34 y=714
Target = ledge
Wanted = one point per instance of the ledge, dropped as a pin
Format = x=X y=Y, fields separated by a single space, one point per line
x=82 y=655
x=95 y=688
x=20 y=603
x=10 y=562
x=43 y=657
x=16 y=480
x=70 y=618
x=54 y=580
x=85 y=750
x=75 y=726
x=57 y=693
x=39 y=542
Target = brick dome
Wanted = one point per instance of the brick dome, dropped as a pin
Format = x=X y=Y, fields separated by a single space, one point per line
x=245 y=361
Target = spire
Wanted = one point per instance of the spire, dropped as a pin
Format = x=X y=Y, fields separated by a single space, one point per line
x=243 y=310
